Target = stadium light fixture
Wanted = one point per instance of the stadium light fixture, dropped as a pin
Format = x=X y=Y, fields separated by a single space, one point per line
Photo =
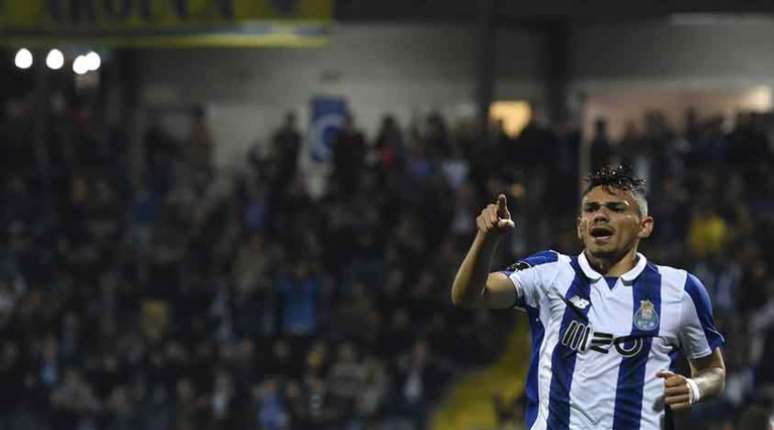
x=93 y=61
x=80 y=65
x=55 y=59
x=23 y=58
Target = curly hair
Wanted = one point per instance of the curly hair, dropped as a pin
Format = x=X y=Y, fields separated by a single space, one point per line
x=620 y=177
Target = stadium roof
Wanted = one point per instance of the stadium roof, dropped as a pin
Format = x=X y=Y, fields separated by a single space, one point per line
x=510 y=10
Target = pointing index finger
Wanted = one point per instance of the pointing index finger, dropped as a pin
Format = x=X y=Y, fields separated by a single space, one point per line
x=502 y=205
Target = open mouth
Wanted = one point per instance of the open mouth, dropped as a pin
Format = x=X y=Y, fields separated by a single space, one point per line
x=601 y=232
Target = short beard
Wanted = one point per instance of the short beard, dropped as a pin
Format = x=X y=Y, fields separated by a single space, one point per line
x=606 y=259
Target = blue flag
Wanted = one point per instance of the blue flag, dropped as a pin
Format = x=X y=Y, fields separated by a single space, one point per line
x=327 y=117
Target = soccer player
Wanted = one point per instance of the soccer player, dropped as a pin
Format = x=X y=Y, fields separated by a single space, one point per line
x=606 y=323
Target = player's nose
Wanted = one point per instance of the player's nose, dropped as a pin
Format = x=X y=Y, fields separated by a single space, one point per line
x=601 y=216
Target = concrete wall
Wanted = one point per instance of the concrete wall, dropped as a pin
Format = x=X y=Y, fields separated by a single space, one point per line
x=403 y=69
x=696 y=52
x=716 y=65
x=407 y=69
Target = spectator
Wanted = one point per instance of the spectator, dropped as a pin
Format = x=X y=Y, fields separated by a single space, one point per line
x=286 y=145
x=74 y=402
x=601 y=148
x=755 y=418
x=349 y=153
x=708 y=232
x=202 y=144
x=299 y=291
x=272 y=414
x=390 y=145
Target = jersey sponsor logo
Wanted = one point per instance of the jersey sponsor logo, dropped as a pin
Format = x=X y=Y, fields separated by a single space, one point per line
x=628 y=346
x=580 y=337
x=646 y=318
x=576 y=336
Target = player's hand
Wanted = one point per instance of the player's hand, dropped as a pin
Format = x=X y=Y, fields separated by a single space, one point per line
x=677 y=394
x=495 y=219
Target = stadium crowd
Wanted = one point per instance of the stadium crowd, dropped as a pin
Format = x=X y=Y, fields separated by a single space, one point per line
x=187 y=297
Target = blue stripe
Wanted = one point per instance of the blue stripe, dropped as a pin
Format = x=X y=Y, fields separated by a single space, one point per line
x=674 y=355
x=631 y=373
x=701 y=301
x=563 y=358
x=533 y=260
x=542 y=257
x=532 y=394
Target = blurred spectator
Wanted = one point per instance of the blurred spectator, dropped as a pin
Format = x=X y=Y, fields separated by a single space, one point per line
x=761 y=328
x=185 y=405
x=160 y=153
x=75 y=405
x=272 y=414
x=349 y=154
x=708 y=232
x=12 y=381
x=299 y=291
x=345 y=380
x=390 y=145
x=601 y=147
x=755 y=418
x=202 y=144
x=721 y=276
x=416 y=385
x=286 y=145
x=437 y=140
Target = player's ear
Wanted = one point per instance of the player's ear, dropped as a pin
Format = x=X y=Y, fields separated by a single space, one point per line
x=646 y=227
x=578 y=228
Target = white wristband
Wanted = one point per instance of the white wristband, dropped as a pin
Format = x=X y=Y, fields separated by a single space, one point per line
x=695 y=395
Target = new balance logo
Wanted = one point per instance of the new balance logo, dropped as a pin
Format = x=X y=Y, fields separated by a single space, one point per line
x=579 y=303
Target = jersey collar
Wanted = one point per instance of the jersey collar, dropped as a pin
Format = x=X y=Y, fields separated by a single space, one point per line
x=627 y=277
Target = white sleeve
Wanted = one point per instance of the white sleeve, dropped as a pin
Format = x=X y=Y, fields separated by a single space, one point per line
x=529 y=277
x=528 y=287
x=698 y=335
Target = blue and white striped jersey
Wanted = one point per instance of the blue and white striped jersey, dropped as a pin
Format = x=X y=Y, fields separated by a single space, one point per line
x=598 y=342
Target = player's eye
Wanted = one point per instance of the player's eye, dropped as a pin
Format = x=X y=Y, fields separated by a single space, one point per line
x=617 y=207
x=590 y=207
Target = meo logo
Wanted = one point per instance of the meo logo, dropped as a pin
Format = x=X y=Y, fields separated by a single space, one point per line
x=581 y=337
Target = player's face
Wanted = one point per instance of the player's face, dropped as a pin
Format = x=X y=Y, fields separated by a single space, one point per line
x=610 y=223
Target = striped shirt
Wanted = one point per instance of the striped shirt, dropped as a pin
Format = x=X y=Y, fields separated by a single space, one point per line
x=598 y=342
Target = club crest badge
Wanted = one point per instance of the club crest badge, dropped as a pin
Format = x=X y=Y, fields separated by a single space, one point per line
x=646 y=318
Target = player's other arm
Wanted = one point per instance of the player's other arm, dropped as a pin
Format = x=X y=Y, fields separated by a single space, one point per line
x=474 y=286
x=707 y=373
x=701 y=341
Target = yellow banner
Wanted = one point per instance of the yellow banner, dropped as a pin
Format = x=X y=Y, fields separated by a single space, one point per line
x=117 y=15
x=166 y=23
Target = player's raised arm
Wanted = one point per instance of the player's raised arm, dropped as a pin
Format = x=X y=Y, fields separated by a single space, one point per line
x=474 y=286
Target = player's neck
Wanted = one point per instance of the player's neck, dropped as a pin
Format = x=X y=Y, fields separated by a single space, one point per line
x=613 y=265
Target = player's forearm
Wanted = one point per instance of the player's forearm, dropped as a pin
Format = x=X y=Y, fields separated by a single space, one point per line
x=711 y=381
x=472 y=273
x=709 y=374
